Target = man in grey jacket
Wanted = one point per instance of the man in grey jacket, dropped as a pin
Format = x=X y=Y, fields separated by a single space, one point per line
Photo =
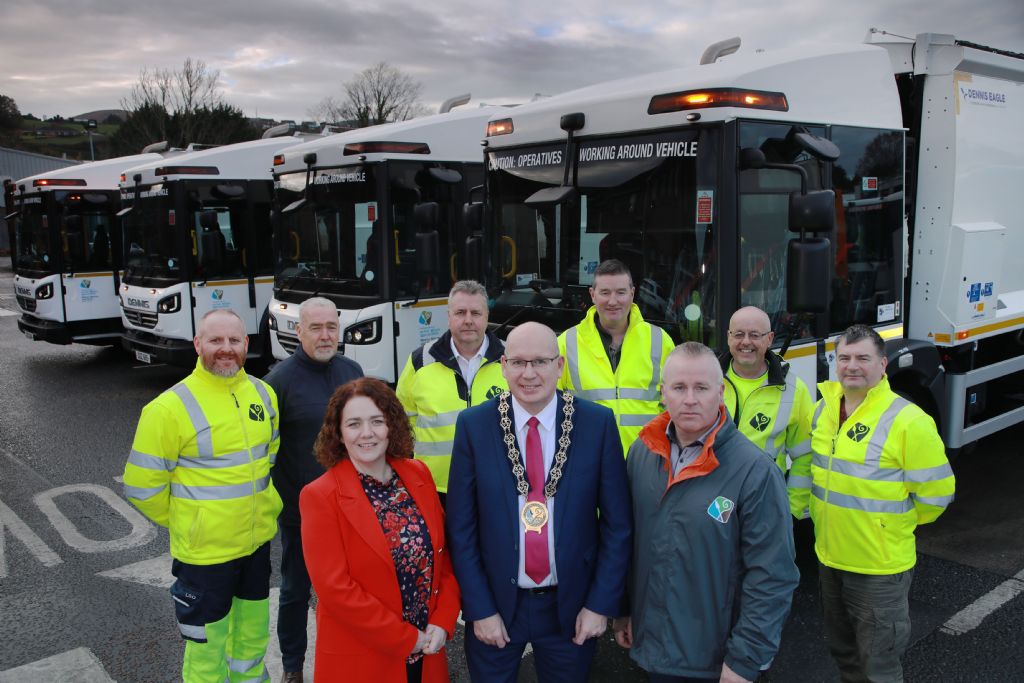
x=713 y=573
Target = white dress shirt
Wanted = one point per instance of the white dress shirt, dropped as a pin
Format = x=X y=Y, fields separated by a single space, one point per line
x=548 y=419
x=469 y=366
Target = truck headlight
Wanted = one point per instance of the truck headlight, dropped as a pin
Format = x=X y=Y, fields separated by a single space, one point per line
x=45 y=292
x=169 y=304
x=363 y=333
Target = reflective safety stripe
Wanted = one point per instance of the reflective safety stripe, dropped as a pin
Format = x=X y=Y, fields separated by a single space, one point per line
x=896 y=507
x=817 y=414
x=786 y=398
x=226 y=460
x=194 y=632
x=439 y=420
x=572 y=357
x=264 y=396
x=859 y=470
x=797 y=481
x=881 y=431
x=802 y=448
x=204 y=437
x=219 y=492
x=939 y=502
x=639 y=394
x=150 y=462
x=434 y=447
x=242 y=665
x=656 y=333
x=636 y=420
x=139 y=493
x=596 y=394
x=927 y=474
x=408 y=414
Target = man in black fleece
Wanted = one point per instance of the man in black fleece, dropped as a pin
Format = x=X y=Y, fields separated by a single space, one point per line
x=304 y=384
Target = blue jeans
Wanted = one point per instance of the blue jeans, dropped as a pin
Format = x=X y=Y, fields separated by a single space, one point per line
x=294 y=606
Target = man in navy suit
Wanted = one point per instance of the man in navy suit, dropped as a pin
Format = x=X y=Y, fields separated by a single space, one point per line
x=539 y=519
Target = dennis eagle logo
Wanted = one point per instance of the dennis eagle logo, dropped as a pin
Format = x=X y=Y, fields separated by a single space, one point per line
x=760 y=422
x=85 y=284
x=256 y=412
x=425 y=317
x=721 y=509
x=858 y=432
x=218 y=294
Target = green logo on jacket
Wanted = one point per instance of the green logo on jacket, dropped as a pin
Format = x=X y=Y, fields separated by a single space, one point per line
x=858 y=432
x=256 y=412
x=494 y=392
x=721 y=509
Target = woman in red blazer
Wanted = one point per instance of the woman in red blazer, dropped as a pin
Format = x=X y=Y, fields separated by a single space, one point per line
x=374 y=545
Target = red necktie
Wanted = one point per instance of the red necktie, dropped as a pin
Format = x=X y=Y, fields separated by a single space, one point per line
x=537 y=564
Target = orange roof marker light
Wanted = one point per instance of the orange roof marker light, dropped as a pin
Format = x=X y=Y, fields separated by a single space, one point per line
x=717 y=97
x=499 y=127
x=278 y=159
x=187 y=170
x=386 y=147
x=59 y=182
x=960 y=336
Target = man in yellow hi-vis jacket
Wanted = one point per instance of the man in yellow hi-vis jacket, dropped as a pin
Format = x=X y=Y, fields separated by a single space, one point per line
x=879 y=470
x=200 y=465
x=613 y=356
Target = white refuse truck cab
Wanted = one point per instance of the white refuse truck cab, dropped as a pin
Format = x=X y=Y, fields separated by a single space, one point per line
x=869 y=183
x=372 y=220
x=197 y=236
x=66 y=251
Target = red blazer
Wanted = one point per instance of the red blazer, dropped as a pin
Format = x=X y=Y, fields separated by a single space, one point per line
x=360 y=632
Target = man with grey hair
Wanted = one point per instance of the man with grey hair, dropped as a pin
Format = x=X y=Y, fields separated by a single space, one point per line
x=713 y=568
x=449 y=374
x=200 y=465
x=304 y=384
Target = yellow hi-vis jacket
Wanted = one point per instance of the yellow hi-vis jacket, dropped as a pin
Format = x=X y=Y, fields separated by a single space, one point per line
x=433 y=393
x=200 y=465
x=632 y=390
x=874 y=478
x=777 y=417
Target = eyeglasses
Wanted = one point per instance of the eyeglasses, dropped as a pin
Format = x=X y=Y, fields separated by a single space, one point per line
x=536 y=363
x=752 y=336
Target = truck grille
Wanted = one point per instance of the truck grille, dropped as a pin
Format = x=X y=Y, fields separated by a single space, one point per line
x=140 y=318
x=289 y=342
x=27 y=304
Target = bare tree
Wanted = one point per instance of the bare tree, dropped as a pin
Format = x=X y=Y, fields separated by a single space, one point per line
x=180 y=106
x=378 y=94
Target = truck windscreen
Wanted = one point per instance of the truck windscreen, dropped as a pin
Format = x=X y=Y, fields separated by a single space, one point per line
x=647 y=200
x=149 y=239
x=33 y=247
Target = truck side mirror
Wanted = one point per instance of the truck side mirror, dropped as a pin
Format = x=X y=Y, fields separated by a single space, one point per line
x=427 y=215
x=808 y=273
x=427 y=252
x=473 y=216
x=813 y=211
x=472 y=265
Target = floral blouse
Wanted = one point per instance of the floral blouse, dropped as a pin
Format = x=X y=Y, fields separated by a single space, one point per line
x=409 y=542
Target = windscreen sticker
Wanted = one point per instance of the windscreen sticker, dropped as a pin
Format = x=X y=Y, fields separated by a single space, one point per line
x=886 y=312
x=705 y=206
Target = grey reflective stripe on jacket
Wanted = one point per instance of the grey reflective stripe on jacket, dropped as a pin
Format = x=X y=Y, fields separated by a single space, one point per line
x=224 y=492
x=651 y=393
x=204 y=437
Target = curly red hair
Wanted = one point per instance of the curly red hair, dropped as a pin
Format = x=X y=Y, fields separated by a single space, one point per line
x=329 y=448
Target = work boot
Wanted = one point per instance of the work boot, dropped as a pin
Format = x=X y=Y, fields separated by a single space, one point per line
x=292 y=677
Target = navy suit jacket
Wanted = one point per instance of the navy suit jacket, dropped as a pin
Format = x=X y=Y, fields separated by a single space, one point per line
x=592 y=550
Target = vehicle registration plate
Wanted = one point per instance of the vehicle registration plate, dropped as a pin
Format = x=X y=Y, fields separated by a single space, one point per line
x=30 y=335
x=143 y=357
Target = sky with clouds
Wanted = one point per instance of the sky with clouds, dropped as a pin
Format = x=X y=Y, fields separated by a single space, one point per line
x=279 y=59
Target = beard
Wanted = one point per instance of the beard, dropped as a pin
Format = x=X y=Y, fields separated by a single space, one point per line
x=325 y=353
x=222 y=370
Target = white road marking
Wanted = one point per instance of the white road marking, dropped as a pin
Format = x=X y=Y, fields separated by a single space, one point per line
x=4 y=312
x=142 y=530
x=970 y=617
x=11 y=522
x=156 y=572
x=79 y=665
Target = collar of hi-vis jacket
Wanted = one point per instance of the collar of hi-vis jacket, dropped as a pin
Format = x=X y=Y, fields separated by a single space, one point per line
x=441 y=350
x=216 y=381
x=655 y=437
x=832 y=392
x=588 y=328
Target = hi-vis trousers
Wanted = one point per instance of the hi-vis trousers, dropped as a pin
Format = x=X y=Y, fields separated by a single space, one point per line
x=223 y=612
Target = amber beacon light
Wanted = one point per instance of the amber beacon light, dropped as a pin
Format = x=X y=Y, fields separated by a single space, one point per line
x=717 y=97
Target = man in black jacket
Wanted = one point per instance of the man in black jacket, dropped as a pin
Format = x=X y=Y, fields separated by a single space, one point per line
x=304 y=384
